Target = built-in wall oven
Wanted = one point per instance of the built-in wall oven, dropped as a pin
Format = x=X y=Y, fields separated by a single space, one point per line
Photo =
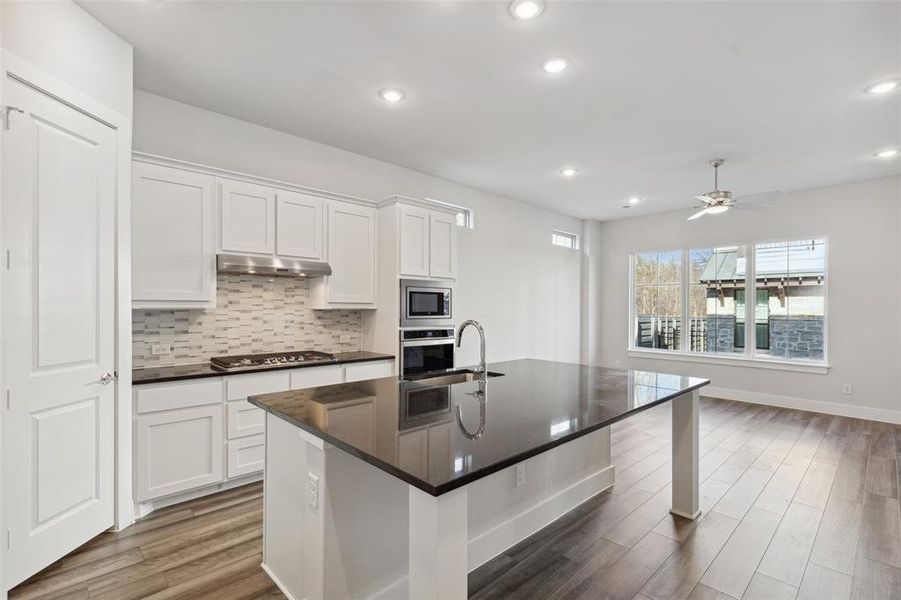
x=425 y=303
x=425 y=350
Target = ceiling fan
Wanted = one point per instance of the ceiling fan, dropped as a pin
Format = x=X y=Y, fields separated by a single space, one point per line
x=719 y=201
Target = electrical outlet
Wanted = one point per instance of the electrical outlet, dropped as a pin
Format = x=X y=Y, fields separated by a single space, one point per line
x=520 y=474
x=344 y=338
x=160 y=349
x=618 y=364
x=846 y=389
x=313 y=491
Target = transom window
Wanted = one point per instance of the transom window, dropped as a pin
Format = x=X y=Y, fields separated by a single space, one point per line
x=762 y=301
x=565 y=239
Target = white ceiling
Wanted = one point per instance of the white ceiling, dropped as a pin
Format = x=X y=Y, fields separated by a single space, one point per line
x=655 y=89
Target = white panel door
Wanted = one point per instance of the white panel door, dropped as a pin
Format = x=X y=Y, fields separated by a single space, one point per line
x=246 y=217
x=171 y=236
x=443 y=245
x=414 y=240
x=59 y=207
x=351 y=243
x=300 y=225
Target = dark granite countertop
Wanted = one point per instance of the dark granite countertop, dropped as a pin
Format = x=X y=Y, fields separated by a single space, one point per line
x=533 y=407
x=179 y=372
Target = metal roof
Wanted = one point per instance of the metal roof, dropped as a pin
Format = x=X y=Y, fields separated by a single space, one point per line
x=805 y=259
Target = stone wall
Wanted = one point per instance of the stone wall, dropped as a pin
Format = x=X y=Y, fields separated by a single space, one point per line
x=790 y=337
x=797 y=337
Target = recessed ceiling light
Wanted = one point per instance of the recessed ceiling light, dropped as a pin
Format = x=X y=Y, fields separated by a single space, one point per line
x=634 y=200
x=569 y=171
x=525 y=10
x=392 y=95
x=890 y=153
x=883 y=87
x=555 y=65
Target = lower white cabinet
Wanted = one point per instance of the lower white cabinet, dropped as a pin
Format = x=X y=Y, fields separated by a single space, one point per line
x=178 y=450
x=246 y=455
x=243 y=419
x=192 y=434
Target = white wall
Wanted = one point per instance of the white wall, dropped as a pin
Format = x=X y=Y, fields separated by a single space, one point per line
x=861 y=222
x=523 y=290
x=63 y=40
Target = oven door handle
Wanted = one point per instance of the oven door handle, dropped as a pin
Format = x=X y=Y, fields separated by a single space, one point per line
x=439 y=342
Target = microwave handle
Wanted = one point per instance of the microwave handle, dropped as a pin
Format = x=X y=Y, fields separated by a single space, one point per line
x=439 y=342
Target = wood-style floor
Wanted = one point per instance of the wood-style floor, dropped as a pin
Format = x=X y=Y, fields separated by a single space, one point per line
x=795 y=505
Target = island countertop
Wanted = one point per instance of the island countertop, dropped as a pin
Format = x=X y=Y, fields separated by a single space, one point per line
x=532 y=407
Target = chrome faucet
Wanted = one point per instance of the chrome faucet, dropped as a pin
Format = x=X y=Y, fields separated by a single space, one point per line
x=482 y=370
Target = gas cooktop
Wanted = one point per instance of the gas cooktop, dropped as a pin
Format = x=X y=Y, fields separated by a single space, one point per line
x=270 y=359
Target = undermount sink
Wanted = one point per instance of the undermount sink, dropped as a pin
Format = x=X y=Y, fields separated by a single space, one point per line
x=452 y=377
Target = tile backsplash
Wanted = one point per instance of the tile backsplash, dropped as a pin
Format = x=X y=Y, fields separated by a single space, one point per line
x=252 y=314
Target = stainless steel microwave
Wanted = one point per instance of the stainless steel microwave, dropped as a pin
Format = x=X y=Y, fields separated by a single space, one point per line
x=425 y=303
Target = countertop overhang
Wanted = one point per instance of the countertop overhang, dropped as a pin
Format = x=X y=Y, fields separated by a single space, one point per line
x=533 y=407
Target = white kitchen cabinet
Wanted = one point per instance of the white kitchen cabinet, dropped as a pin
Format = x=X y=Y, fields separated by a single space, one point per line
x=442 y=245
x=368 y=370
x=299 y=225
x=246 y=217
x=316 y=376
x=413 y=223
x=352 y=256
x=246 y=456
x=425 y=239
x=178 y=450
x=173 y=263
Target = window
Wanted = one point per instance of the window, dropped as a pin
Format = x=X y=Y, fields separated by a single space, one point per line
x=716 y=298
x=657 y=300
x=792 y=275
x=565 y=239
x=764 y=301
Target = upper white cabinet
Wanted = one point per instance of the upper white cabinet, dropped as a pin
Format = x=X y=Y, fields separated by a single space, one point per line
x=413 y=223
x=299 y=225
x=425 y=239
x=351 y=254
x=173 y=264
x=442 y=245
x=246 y=217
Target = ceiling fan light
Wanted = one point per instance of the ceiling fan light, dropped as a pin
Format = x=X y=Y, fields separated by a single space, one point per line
x=715 y=210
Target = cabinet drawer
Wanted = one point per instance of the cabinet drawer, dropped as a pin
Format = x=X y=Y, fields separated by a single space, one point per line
x=240 y=387
x=244 y=419
x=316 y=376
x=178 y=450
x=246 y=456
x=368 y=370
x=169 y=396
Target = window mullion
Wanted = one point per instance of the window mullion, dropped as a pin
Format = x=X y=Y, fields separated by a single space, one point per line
x=750 y=301
x=685 y=343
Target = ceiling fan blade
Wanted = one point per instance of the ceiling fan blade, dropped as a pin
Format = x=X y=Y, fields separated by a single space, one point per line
x=698 y=214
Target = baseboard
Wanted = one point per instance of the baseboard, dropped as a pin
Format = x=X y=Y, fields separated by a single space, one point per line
x=142 y=509
x=829 y=408
x=489 y=544
x=277 y=583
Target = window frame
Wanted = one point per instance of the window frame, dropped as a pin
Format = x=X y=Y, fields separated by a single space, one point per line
x=749 y=356
x=468 y=213
x=568 y=234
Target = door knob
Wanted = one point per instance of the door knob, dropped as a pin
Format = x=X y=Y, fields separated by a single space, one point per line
x=106 y=378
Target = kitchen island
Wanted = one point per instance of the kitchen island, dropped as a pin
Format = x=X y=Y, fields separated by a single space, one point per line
x=396 y=489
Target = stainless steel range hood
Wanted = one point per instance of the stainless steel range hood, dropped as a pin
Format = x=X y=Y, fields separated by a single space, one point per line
x=270 y=266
